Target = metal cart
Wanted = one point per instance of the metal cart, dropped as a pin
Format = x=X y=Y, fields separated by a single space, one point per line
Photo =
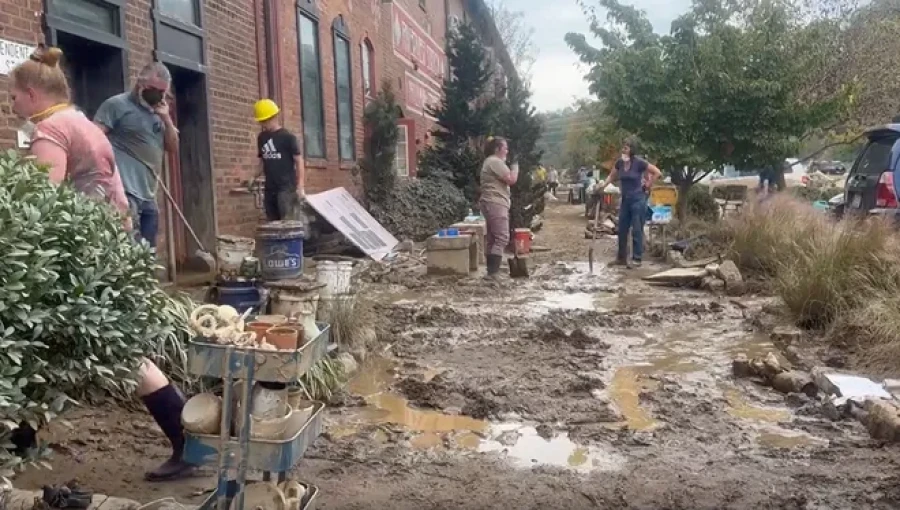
x=235 y=456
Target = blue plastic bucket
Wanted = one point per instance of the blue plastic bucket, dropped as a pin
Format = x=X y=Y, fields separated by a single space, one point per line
x=242 y=297
x=281 y=249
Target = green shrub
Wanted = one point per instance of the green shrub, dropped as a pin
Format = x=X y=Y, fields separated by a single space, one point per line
x=79 y=300
x=701 y=204
x=418 y=208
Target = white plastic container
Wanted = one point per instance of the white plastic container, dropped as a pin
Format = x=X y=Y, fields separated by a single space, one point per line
x=232 y=250
x=336 y=276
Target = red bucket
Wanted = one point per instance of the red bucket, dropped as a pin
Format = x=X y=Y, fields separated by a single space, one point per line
x=523 y=241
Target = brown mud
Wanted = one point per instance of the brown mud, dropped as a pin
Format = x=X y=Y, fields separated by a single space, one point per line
x=568 y=390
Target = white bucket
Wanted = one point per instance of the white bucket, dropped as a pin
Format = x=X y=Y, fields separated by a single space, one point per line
x=232 y=250
x=336 y=276
x=294 y=303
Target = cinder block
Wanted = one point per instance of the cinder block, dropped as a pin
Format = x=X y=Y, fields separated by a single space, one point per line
x=478 y=231
x=451 y=255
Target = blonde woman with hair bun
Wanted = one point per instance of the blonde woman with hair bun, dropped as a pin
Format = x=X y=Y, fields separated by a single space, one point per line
x=79 y=154
x=62 y=137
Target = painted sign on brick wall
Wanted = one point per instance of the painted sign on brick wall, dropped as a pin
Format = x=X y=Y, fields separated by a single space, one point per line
x=13 y=54
x=419 y=95
x=414 y=45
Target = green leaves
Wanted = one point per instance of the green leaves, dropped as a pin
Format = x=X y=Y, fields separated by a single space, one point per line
x=79 y=303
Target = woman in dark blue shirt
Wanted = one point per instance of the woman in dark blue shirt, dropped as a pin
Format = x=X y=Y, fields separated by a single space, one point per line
x=636 y=176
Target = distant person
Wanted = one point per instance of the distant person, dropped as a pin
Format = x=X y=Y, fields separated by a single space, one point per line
x=766 y=181
x=280 y=161
x=636 y=176
x=62 y=138
x=496 y=178
x=582 y=182
x=141 y=131
x=552 y=180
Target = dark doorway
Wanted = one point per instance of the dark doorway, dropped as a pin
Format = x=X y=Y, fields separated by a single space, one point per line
x=191 y=171
x=96 y=71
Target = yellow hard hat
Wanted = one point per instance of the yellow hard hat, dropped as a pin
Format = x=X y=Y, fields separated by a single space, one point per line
x=265 y=109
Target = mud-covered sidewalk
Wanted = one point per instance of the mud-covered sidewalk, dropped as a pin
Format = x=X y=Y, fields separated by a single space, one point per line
x=567 y=390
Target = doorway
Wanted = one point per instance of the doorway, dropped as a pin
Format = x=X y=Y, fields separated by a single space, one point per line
x=96 y=71
x=190 y=172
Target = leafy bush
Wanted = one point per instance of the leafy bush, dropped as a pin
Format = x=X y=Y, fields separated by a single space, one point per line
x=379 y=174
x=79 y=302
x=417 y=208
x=701 y=204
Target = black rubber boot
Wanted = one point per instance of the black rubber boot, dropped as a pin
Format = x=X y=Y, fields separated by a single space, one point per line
x=493 y=264
x=165 y=406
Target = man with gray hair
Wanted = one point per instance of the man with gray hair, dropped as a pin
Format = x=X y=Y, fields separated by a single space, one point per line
x=140 y=129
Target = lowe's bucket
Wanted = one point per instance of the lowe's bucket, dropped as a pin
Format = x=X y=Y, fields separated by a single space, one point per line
x=281 y=249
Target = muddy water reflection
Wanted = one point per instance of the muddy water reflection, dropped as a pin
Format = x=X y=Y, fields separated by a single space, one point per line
x=740 y=408
x=520 y=443
x=385 y=407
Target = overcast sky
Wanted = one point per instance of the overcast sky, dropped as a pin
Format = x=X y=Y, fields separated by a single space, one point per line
x=557 y=76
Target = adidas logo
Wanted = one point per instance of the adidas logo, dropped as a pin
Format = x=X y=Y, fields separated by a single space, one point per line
x=269 y=151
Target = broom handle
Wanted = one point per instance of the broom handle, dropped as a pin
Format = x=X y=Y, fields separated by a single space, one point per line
x=178 y=210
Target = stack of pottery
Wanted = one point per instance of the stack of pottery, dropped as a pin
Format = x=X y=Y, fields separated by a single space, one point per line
x=277 y=331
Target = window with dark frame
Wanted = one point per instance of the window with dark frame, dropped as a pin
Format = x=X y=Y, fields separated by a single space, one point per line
x=367 y=59
x=311 y=84
x=343 y=84
x=185 y=11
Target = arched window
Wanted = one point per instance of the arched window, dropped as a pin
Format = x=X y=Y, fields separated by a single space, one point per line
x=343 y=81
x=367 y=59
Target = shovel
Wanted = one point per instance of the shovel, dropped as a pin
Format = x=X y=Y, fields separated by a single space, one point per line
x=593 y=238
x=518 y=267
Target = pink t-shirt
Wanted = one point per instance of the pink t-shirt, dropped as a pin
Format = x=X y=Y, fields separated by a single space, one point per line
x=90 y=164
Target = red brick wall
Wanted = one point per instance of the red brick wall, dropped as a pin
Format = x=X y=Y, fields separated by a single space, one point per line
x=20 y=22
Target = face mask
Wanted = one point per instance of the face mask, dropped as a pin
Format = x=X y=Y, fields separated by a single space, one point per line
x=152 y=96
x=625 y=157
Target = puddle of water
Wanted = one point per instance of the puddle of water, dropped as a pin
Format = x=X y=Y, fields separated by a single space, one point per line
x=385 y=407
x=530 y=450
x=625 y=391
x=521 y=444
x=786 y=440
x=740 y=408
x=565 y=301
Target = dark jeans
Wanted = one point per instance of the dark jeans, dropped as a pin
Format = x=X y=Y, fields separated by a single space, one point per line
x=632 y=216
x=145 y=219
x=280 y=204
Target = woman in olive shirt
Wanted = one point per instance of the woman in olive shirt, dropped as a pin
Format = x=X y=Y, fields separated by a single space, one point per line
x=496 y=178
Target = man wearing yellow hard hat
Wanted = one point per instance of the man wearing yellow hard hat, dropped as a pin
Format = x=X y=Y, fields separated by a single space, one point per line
x=281 y=163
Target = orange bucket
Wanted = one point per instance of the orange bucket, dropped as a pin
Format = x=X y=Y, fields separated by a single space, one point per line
x=523 y=241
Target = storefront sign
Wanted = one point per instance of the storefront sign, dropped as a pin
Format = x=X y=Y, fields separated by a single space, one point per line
x=416 y=46
x=420 y=96
x=12 y=54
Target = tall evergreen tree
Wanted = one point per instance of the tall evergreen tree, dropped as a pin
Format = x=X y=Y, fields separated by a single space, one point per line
x=464 y=117
x=519 y=123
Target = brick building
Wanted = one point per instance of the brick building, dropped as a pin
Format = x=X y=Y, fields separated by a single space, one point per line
x=321 y=60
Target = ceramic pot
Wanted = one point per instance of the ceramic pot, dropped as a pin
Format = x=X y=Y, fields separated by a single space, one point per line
x=262 y=428
x=260 y=329
x=202 y=414
x=284 y=338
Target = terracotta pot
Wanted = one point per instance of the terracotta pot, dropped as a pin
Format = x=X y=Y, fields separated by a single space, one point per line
x=260 y=328
x=284 y=338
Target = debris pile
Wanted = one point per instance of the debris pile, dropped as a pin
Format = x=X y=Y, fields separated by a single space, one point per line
x=714 y=277
x=772 y=373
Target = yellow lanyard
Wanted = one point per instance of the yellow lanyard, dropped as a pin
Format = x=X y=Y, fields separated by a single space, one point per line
x=41 y=115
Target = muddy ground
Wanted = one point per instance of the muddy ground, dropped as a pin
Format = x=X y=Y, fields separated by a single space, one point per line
x=568 y=390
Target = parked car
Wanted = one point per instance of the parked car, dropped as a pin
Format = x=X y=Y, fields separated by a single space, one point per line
x=833 y=168
x=870 y=187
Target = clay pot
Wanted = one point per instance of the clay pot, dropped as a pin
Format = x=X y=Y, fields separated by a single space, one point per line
x=284 y=338
x=260 y=328
x=202 y=414
x=274 y=320
x=270 y=429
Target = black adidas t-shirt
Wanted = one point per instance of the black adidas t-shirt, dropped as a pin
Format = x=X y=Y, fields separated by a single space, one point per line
x=277 y=150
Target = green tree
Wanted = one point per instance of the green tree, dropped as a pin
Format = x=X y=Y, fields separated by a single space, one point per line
x=465 y=116
x=725 y=86
x=379 y=174
x=519 y=123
